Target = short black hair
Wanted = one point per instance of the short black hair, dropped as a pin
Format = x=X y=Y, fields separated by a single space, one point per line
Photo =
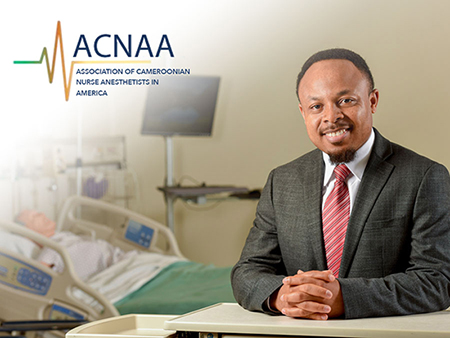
x=337 y=54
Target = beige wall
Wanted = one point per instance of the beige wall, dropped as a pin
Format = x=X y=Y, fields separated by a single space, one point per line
x=257 y=47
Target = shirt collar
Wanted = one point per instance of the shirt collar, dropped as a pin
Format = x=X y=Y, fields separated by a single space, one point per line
x=357 y=166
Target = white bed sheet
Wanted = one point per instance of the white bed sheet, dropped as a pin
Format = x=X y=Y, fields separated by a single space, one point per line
x=128 y=275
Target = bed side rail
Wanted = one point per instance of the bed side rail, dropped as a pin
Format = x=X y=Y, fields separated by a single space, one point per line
x=31 y=290
x=138 y=232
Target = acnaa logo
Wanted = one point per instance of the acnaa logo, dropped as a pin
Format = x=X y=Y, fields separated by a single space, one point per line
x=83 y=46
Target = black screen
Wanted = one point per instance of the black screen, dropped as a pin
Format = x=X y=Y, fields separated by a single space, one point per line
x=181 y=106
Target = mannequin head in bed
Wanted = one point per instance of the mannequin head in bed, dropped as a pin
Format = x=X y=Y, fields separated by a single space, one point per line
x=38 y=222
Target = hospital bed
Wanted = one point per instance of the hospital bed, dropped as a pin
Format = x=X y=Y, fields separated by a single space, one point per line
x=30 y=290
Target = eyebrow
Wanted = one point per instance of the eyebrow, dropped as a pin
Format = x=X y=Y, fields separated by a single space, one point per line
x=342 y=92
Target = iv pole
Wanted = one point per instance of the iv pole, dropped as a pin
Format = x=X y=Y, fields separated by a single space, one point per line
x=169 y=183
x=79 y=159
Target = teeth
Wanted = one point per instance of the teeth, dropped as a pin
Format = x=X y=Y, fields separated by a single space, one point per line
x=340 y=132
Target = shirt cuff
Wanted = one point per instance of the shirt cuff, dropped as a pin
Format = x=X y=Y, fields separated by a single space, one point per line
x=267 y=307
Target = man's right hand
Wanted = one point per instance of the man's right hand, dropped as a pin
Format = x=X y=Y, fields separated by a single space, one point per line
x=313 y=295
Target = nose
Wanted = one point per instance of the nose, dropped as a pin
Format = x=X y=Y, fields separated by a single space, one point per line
x=332 y=114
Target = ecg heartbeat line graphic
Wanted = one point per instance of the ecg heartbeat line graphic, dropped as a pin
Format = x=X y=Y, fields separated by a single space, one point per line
x=51 y=71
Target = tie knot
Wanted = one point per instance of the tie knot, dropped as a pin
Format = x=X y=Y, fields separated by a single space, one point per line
x=341 y=172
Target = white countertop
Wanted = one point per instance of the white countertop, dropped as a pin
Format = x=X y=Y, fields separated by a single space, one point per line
x=231 y=318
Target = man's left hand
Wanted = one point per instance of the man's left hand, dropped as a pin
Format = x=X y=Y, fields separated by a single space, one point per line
x=300 y=297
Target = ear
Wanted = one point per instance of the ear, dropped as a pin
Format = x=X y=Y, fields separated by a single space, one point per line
x=373 y=99
x=301 y=110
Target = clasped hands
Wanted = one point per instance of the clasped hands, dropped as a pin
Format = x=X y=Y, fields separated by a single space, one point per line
x=312 y=294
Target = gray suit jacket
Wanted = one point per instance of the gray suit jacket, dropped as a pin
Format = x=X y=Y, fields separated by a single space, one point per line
x=396 y=257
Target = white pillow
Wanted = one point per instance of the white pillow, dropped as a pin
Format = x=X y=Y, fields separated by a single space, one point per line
x=18 y=244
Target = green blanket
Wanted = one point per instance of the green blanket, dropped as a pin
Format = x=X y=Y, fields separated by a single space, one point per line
x=180 y=288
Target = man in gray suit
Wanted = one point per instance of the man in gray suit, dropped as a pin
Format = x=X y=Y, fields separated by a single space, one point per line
x=395 y=252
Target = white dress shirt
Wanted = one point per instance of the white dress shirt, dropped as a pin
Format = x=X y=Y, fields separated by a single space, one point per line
x=357 y=167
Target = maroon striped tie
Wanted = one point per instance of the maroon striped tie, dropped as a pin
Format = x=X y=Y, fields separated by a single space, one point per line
x=335 y=216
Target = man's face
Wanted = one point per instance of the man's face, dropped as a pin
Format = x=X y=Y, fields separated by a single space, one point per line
x=337 y=106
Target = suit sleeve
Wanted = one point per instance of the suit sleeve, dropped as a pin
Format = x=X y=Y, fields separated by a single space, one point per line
x=260 y=270
x=425 y=285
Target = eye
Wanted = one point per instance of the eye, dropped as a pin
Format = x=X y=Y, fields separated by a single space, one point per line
x=347 y=101
x=315 y=107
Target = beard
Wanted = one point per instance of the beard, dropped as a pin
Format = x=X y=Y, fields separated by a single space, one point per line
x=344 y=157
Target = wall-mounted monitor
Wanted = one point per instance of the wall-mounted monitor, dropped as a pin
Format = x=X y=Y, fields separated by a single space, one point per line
x=181 y=105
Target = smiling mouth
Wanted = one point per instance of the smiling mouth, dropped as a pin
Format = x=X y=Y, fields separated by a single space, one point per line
x=336 y=133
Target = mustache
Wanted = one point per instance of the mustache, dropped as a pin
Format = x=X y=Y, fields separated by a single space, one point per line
x=335 y=126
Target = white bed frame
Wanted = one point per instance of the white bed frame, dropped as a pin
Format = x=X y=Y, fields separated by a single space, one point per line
x=16 y=304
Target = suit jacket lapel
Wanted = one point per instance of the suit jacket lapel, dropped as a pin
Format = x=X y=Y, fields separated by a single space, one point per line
x=375 y=177
x=312 y=181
